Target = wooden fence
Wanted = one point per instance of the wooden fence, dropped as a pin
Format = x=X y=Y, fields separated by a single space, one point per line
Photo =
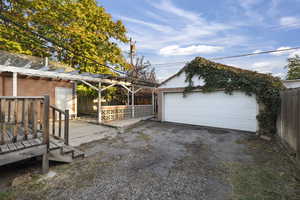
x=288 y=123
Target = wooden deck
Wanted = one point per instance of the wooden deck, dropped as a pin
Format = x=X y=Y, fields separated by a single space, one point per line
x=24 y=131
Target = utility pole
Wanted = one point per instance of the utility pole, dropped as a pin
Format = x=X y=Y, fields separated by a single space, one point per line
x=132 y=50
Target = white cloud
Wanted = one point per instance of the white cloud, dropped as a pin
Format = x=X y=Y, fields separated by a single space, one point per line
x=296 y=52
x=289 y=53
x=175 y=50
x=157 y=27
x=250 y=11
x=263 y=67
x=280 y=75
x=289 y=21
x=269 y=65
x=257 y=51
x=176 y=26
x=168 y=6
x=281 y=52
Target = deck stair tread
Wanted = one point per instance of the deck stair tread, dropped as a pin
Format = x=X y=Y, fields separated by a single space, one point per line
x=78 y=154
x=65 y=150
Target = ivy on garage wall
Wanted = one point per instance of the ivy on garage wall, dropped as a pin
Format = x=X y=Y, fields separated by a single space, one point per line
x=218 y=76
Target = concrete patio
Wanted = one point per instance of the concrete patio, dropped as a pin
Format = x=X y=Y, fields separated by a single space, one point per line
x=87 y=130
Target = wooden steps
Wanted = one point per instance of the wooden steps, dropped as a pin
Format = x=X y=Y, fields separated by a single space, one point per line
x=63 y=153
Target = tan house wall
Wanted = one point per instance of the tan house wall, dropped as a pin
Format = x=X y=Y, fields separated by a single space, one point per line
x=28 y=86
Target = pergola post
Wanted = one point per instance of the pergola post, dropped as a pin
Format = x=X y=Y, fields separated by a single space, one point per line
x=132 y=101
x=99 y=104
x=128 y=98
x=15 y=84
x=75 y=98
x=153 y=102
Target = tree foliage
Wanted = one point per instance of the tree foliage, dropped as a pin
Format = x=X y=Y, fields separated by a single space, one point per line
x=218 y=76
x=143 y=70
x=79 y=25
x=293 y=67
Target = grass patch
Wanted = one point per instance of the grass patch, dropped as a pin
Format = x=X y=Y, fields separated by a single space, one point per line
x=143 y=136
x=7 y=195
x=271 y=176
x=251 y=182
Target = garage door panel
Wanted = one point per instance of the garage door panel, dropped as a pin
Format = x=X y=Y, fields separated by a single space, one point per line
x=217 y=109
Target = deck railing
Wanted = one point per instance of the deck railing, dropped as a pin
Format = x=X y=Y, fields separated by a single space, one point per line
x=62 y=131
x=23 y=118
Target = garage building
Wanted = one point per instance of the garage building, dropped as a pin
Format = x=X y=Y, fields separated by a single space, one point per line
x=236 y=111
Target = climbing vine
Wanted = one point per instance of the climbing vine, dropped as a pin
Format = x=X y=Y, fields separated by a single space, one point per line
x=218 y=76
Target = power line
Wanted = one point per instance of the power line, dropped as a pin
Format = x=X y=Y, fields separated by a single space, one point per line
x=234 y=56
x=170 y=63
x=257 y=53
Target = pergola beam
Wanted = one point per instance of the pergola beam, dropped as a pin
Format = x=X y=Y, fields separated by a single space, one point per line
x=108 y=87
x=137 y=90
x=87 y=83
x=124 y=86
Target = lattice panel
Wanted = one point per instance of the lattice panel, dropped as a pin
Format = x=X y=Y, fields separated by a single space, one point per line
x=111 y=113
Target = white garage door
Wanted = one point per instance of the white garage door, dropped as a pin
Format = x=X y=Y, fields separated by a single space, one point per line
x=216 y=109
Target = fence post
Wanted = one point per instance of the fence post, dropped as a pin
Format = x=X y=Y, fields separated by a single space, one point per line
x=46 y=121
x=66 y=127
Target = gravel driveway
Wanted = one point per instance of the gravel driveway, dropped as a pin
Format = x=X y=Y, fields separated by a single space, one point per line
x=158 y=161
x=151 y=161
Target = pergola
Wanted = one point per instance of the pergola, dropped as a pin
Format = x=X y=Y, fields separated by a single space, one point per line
x=132 y=85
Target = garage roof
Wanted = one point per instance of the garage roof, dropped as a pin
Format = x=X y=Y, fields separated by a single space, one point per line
x=216 y=65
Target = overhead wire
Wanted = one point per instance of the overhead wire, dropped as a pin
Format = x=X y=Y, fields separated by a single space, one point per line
x=234 y=56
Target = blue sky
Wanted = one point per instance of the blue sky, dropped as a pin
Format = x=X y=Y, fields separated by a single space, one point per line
x=169 y=31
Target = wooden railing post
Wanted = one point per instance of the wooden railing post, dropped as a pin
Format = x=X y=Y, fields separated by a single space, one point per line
x=53 y=122
x=46 y=121
x=66 y=127
x=2 y=120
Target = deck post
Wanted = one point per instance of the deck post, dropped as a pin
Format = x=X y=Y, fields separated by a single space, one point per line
x=66 y=135
x=15 y=84
x=46 y=121
x=45 y=164
x=99 y=104
x=132 y=101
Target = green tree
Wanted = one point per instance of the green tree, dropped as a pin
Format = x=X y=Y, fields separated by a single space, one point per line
x=81 y=26
x=293 y=67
